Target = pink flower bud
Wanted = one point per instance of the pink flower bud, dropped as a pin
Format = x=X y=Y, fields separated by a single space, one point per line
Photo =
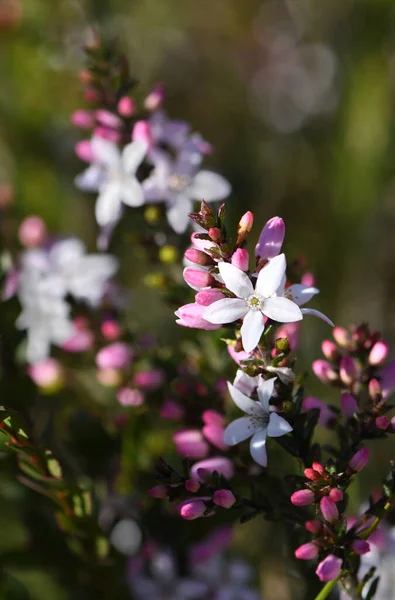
x=91 y=95
x=329 y=350
x=349 y=405
x=224 y=498
x=318 y=467
x=115 y=356
x=82 y=338
x=360 y=547
x=130 y=397
x=314 y=526
x=271 y=239
x=109 y=377
x=111 y=330
x=336 y=495
x=388 y=379
x=341 y=336
x=112 y=135
x=202 y=469
x=158 y=491
x=302 y=497
x=47 y=374
x=308 y=279
x=83 y=150
x=190 y=442
x=198 y=279
x=349 y=370
x=359 y=460
x=108 y=119
x=83 y=119
x=329 y=509
x=192 y=486
x=126 y=106
x=207 y=297
x=215 y=435
x=32 y=232
x=329 y=568
x=142 y=132
x=246 y=222
x=312 y=474
x=307 y=551
x=155 y=98
x=382 y=422
x=374 y=388
x=190 y=315
x=198 y=257
x=240 y=259
x=212 y=417
x=149 y=380
x=379 y=353
x=324 y=371
x=171 y=411
x=193 y=509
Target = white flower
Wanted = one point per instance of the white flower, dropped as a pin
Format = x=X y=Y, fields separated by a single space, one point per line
x=260 y=423
x=245 y=383
x=254 y=304
x=113 y=175
x=301 y=294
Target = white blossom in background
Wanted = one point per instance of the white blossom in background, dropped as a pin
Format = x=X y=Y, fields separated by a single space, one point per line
x=227 y=579
x=260 y=423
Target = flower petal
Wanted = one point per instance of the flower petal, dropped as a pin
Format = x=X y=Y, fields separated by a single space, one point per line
x=106 y=153
x=91 y=179
x=300 y=294
x=108 y=204
x=271 y=276
x=252 y=329
x=235 y=280
x=317 y=313
x=265 y=392
x=209 y=186
x=240 y=430
x=178 y=214
x=278 y=426
x=250 y=407
x=131 y=192
x=258 y=447
x=282 y=310
x=225 y=311
x=133 y=155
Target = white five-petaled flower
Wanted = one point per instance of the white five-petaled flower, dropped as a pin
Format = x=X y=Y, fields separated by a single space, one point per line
x=260 y=423
x=252 y=304
x=113 y=175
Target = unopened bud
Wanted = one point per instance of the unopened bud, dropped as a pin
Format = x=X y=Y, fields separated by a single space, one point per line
x=155 y=98
x=314 y=526
x=349 y=405
x=324 y=371
x=240 y=259
x=374 y=388
x=158 y=491
x=329 y=509
x=329 y=568
x=32 y=232
x=361 y=547
x=142 y=131
x=198 y=257
x=336 y=495
x=302 y=497
x=379 y=353
x=192 y=486
x=83 y=119
x=349 y=370
x=382 y=422
x=307 y=551
x=341 y=336
x=271 y=239
x=126 y=107
x=198 y=279
x=215 y=234
x=224 y=498
x=329 y=350
x=359 y=460
x=193 y=510
x=312 y=474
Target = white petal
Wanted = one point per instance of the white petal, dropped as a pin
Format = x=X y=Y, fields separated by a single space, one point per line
x=252 y=329
x=106 y=153
x=91 y=179
x=133 y=155
x=108 y=204
x=284 y=373
x=258 y=447
x=250 y=407
x=282 y=310
x=225 y=311
x=66 y=252
x=271 y=276
x=278 y=426
x=300 y=293
x=131 y=192
x=178 y=214
x=235 y=280
x=317 y=313
x=209 y=186
x=245 y=383
x=265 y=392
x=240 y=430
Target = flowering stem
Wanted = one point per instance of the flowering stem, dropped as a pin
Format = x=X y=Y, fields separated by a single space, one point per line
x=328 y=587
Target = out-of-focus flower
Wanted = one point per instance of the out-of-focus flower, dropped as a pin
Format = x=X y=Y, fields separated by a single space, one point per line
x=220 y=464
x=47 y=374
x=329 y=568
x=114 y=356
x=32 y=232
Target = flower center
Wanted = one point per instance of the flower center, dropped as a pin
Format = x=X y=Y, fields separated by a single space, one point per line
x=178 y=183
x=255 y=302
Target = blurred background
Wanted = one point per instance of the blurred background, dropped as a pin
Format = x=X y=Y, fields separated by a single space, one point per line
x=297 y=98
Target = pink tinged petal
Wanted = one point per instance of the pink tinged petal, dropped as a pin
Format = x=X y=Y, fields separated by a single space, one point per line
x=108 y=204
x=252 y=329
x=209 y=186
x=282 y=310
x=245 y=383
x=258 y=447
x=278 y=426
x=133 y=155
x=235 y=280
x=317 y=313
x=225 y=311
x=250 y=407
x=240 y=430
x=190 y=315
x=131 y=192
x=302 y=293
x=265 y=392
x=271 y=276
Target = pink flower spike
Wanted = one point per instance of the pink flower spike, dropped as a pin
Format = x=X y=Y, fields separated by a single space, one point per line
x=349 y=405
x=83 y=119
x=336 y=495
x=224 y=498
x=382 y=422
x=192 y=509
x=190 y=442
x=329 y=350
x=271 y=239
x=361 y=547
x=379 y=353
x=329 y=568
x=32 y=232
x=329 y=509
x=302 y=498
x=142 y=131
x=323 y=370
x=307 y=551
x=240 y=259
x=359 y=460
x=126 y=107
x=158 y=491
x=192 y=486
